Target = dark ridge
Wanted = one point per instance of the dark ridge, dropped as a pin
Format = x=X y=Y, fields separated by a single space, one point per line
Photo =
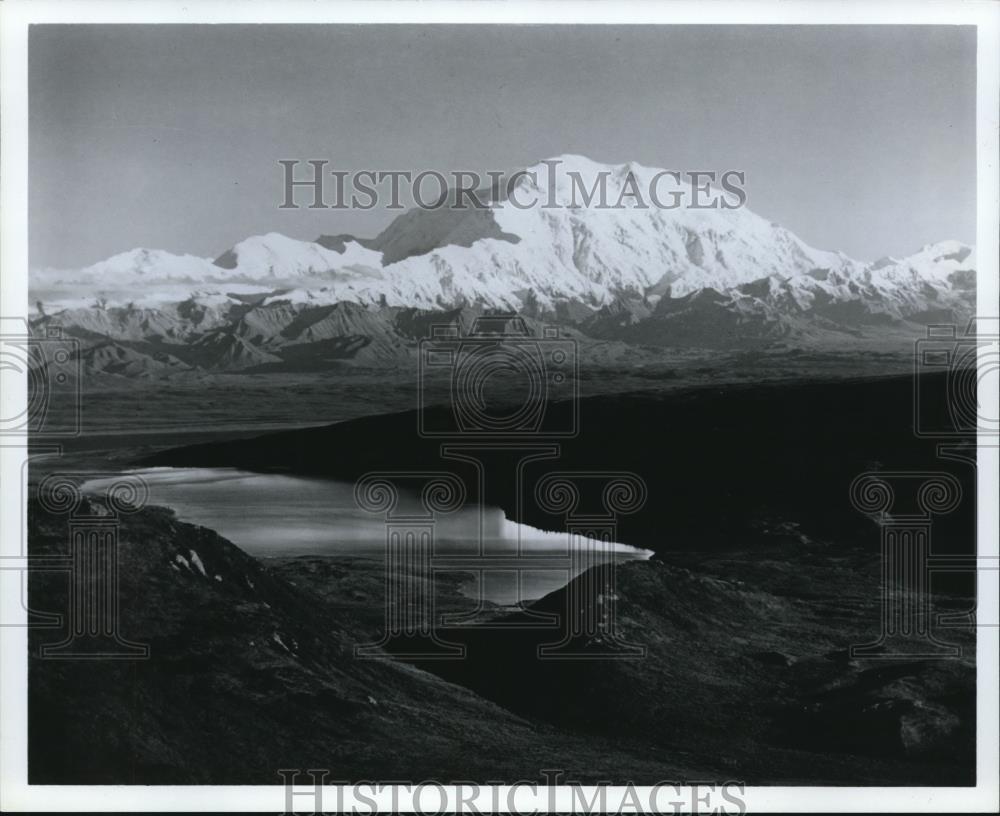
x=339 y=242
x=716 y=461
x=227 y=260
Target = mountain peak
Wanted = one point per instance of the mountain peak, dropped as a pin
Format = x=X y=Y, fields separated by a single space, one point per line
x=604 y=240
x=277 y=257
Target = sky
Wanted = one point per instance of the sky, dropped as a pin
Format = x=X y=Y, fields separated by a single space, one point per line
x=860 y=139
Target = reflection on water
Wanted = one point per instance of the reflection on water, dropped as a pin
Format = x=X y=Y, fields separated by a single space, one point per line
x=275 y=514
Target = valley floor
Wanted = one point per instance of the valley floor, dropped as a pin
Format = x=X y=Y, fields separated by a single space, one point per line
x=114 y=412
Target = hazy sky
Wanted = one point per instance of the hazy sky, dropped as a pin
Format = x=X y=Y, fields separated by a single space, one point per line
x=856 y=138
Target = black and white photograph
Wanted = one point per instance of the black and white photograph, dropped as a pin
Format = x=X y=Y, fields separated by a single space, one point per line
x=506 y=409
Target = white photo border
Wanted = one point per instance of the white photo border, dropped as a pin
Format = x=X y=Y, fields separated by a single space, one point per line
x=15 y=18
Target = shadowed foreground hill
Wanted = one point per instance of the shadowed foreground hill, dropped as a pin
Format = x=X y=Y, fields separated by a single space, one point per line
x=249 y=673
x=252 y=669
x=746 y=668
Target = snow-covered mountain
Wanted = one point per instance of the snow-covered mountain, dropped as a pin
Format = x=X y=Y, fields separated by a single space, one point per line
x=637 y=273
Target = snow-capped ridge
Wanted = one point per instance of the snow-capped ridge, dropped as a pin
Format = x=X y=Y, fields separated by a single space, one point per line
x=274 y=256
x=513 y=257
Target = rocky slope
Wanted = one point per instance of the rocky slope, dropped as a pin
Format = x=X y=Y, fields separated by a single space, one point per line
x=249 y=672
x=252 y=669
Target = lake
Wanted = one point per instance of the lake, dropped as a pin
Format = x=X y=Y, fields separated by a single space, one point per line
x=269 y=515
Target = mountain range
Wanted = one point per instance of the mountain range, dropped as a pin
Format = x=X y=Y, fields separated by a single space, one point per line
x=632 y=275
